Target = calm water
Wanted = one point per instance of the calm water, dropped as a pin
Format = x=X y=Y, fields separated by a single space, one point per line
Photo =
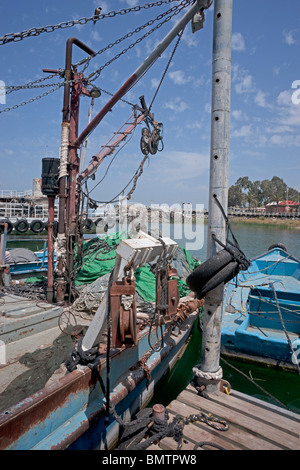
x=254 y=240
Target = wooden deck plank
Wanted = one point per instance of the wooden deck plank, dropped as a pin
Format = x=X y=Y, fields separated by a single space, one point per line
x=260 y=412
x=168 y=443
x=234 y=438
x=262 y=429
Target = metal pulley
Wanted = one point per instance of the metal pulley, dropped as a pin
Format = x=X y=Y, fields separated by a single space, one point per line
x=123 y=313
x=145 y=139
x=156 y=138
x=150 y=141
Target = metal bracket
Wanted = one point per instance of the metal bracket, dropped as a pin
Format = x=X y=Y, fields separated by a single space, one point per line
x=123 y=313
x=131 y=254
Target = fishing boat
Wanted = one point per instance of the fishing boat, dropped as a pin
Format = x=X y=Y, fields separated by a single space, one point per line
x=260 y=318
x=24 y=262
x=116 y=356
x=71 y=411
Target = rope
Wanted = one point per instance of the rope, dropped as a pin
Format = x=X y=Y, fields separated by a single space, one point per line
x=166 y=69
x=254 y=383
x=240 y=258
x=284 y=328
x=79 y=356
x=154 y=430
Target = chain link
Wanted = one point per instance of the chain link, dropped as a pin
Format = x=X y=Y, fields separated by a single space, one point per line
x=174 y=11
x=94 y=75
x=130 y=34
x=15 y=37
x=31 y=100
x=86 y=61
x=34 y=84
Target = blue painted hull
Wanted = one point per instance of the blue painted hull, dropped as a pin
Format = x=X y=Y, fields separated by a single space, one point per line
x=252 y=325
x=30 y=268
x=70 y=414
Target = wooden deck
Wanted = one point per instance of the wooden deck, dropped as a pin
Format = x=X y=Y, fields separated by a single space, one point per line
x=253 y=424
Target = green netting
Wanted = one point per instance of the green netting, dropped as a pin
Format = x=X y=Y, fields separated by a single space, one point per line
x=30 y=280
x=99 y=259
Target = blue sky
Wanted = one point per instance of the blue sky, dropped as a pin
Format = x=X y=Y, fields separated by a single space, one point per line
x=265 y=123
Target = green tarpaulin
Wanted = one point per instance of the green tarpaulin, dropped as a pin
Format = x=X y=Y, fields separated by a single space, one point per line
x=99 y=259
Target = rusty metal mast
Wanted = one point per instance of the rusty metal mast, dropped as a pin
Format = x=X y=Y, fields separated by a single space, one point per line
x=71 y=142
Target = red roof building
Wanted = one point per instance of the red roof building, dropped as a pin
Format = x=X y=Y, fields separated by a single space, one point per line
x=283 y=207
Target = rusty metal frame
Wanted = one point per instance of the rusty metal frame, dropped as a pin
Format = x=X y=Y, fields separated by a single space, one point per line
x=123 y=322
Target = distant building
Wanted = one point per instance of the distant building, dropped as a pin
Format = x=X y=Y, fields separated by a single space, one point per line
x=283 y=207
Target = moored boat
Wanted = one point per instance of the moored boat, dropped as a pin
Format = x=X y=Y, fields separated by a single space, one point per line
x=52 y=406
x=261 y=310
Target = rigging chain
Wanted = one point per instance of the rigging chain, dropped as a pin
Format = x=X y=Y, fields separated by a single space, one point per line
x=16 y=37
x=86 y=61
x=97 y=72
x=144 y=148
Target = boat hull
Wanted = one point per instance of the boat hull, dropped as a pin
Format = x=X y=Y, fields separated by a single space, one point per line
x=261 y=319
x=70 y=413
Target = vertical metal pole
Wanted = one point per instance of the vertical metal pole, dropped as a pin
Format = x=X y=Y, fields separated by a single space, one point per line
x=50 y=248
x=63 y=217
x=74 y=162
x=209 y=373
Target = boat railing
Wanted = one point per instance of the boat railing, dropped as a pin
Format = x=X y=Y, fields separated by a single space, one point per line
x=13 y=210
x=5 y=193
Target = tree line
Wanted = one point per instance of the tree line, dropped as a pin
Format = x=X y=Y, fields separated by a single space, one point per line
x=250 y=194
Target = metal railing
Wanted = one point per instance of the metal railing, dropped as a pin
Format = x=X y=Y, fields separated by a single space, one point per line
x=11 y=210
x=13 y=193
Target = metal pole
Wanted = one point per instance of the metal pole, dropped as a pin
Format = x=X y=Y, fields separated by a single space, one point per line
x=50 y=248
x=64 y=171
x=209 y=372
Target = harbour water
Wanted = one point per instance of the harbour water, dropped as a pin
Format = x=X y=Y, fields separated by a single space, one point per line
x=254 y=240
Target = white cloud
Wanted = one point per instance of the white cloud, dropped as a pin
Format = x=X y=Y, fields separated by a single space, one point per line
x=176 y=104
x=239 y=115
x=238 y=42
x=244 y=131
x=260 y=99
x=289 y=113
x=95 y=36
x=284 y=98
x=285 y=140
x=154 y=83
x=179 y=77
x=243 y=80
x=245 y=85
x=207 y=108
x=179 y=166
x=289 y=38
x=194 y=125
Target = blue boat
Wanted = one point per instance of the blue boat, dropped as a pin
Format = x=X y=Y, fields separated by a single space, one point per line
x=24 y=263
x=261 y=311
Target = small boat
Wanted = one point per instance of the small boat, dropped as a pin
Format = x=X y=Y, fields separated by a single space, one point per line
x=24 y=262
x=261 y=311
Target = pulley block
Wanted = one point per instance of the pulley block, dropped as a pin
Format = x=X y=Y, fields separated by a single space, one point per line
x=123 y=313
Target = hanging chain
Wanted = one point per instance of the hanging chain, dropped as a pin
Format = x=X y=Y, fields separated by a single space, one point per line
x=31 y=100
x=174 y=11
x=15 y=37
x=35 y=84
x=94 y=75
